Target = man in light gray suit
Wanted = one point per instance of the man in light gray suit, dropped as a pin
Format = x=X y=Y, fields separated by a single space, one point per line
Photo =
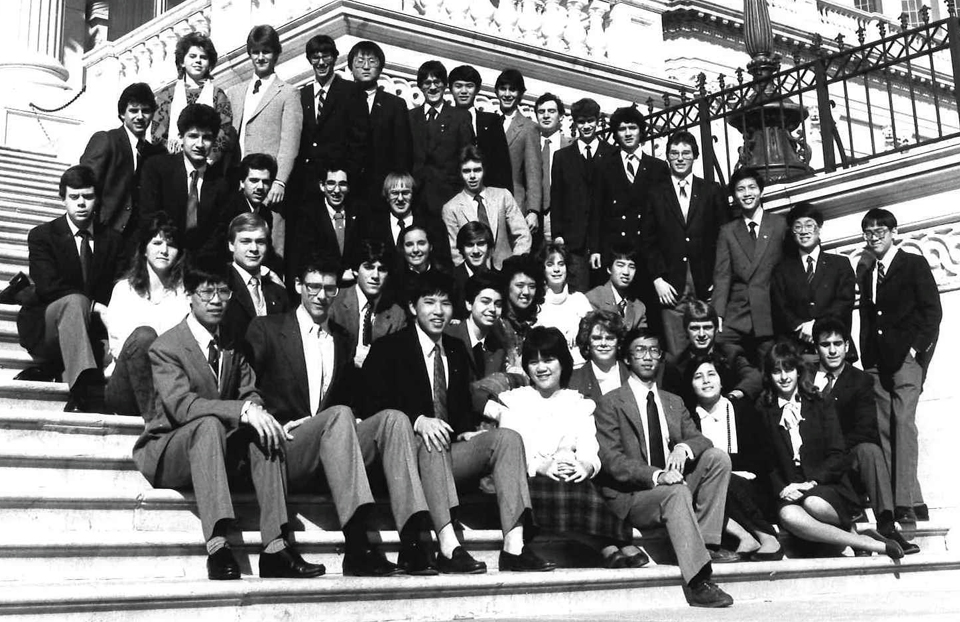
x=658 y=469
x=523 y=140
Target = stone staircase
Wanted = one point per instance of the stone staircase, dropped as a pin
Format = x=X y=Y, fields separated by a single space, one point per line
x=84 y=537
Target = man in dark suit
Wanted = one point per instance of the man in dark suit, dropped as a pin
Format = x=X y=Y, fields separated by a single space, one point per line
x=850 y=391
x=183 y=186
x=659 y=470
x=809 y=284
x=427 y=375
x=440 y=132
x=748 y=249
x=255 y=293
x=302 y=364
x=116 y=157
x=616 y=295
x=465 y=83
x=207 y=415
x=523 y=142
x=678 y=235
x=479 y=332
x=257 y=172
x=391 y=145
x=900 y=317
x=549 y=110
x=73 y=265
x=572 y=189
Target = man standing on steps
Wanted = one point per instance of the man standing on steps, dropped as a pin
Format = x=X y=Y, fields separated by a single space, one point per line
x=465 y=83
x=549 y=110
x=207 y=416
x=523 y=141
x=74 y=263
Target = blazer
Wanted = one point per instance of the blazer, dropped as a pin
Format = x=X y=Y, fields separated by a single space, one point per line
x=494 y=351
x=275 y=351
x=112 y=160
x=741 y=280
x=572 y=185
x=315 y=232
x=497 y=170
x=634 y=314
x=511 y=234
x=669 y=243
x=391 y=144
x=436 y=155
x=241 y=309
x=905 y=314
x=375 y=225
x=395 y=376
x=185 y=389
x=523 y=141
x=164 y=188
x=274 y=127
x=341 y=136
x=547 y=168
x=854 y=402
x=54 y=265
x=387 y=318
x=736 y=373
x=585 y=381
x=623 y=452
x=832 y=291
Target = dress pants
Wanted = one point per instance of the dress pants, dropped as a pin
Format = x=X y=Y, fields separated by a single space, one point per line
x=197 y=456
x=130 y=388
x=870 y=469
x=495 y=452
x=692 y=511
x=66 y=336
x=388 y=438
x=325 y=446
x=897 y=397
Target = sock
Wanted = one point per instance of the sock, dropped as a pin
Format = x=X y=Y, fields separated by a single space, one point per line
x=355 y=534
x=701 y=577
x=215 y=543
x=275 y=546
x=413 y=530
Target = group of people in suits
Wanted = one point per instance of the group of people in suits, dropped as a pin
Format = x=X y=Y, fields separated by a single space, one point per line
x=332 y=291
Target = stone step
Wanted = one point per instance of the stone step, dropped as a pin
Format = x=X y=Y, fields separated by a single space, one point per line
x=32 y=157
x=30 y=199
x=17 y=211
x=47 y=185
x=32 y=395
x=572 y=593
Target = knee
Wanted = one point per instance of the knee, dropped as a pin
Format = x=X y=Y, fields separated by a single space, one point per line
x=678 y=495
x=397 y=422
x=209 y=428
x=507 y=438
x=142 y=336
x=867 y=453
x=340 y=415
x=716 y=459
x=72 y=304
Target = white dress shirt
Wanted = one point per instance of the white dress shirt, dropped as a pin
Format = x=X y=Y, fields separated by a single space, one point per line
x=371 y=96
x=815 y=254
x=715 y=423
x=790 y=419
x=318 y=354
x=627 y=158
x=321 y=88
x=473 y=331
x=555 y=144
x=74 y=230
x=757 y=218
x=395 y=228
x=245 y=279
x=508 y=120
x=427 y=107
x=688 y=190
x=133 y=146
x=201 y=171
x=886 y=261
x=428 y=348
x=250 y=102
x=640 y=394
x=593 y=144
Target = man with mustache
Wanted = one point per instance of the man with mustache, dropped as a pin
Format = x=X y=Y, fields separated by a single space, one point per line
x=257 y=172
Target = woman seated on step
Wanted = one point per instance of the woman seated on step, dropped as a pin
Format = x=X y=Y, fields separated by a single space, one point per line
x=806 y=459
x=150 y=300
x=560 y=439
x=734 y=428
x=522 y=279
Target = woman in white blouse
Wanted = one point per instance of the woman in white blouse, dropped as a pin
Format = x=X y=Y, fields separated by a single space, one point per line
x=562 y=309
x=150 y=300
x=559 y=436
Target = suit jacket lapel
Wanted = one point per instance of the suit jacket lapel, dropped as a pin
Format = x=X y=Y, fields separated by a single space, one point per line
x=763 y=240
x=514 y=130
x=696 y=190
x=292 y=347
x=197 y=359
x=241 y=294
x=674 y=204
x=632 y=411
x=271 y=92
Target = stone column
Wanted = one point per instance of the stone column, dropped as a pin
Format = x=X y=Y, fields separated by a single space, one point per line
x=35 y=42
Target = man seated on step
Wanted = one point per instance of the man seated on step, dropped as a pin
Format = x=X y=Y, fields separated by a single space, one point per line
x=73 y=264
x=659 y=470
x=207 y=417
x=616 y=295
x=851 y=393
x=480 y=332
x=426 y=374
x=303 y=369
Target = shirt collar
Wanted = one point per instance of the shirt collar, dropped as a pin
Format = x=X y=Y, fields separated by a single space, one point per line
x=593 y=144
x=438 y=108
x=635 y=155
x=190 y=167
x=640 y=389
x=133 y=139
x=361 y=298
x=244 y=275
x=74 y=229
x=426 y=343
x=719 y=410
x=600 y=374
x=325 y=86
x=815 y=253
x=782 y=402
x=676 y=180
x=306 y=322
x=888 y=258
x=511 y=116
x=331 y=210
x=474 y=332
x=616 y=295
x=757 y=218
x=200 y=334
x=264 y=82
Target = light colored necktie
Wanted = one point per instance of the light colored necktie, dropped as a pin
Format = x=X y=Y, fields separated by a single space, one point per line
x=193 y=200
x=683 y=188
x=256 y=295
x=338 y=225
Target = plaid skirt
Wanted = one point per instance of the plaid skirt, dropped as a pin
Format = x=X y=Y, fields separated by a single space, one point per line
x=562 y=506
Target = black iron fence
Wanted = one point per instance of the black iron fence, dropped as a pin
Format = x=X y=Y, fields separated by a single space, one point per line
x=840 y=109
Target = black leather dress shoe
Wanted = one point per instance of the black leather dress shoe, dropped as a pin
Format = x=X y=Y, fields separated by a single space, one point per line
x=287 y=564
x=773 y=556
x=615 y=561
x=526 y=561
x=903 y=514
x=890 y=533
x=417 y=558
x=37 y=373
x=460 y=563
x=222 y=566
x=368 y=563
x=892 y=548
x=8 y=296
x=922 y=512
x=707 y=594
x=637 y=561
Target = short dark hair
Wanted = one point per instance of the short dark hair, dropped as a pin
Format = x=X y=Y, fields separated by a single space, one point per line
x=746 y=172
x=432 y=68
x=321 y=44
x=199 y=116
x=830 y=324
x=472 y=231
x=479 y=282
x=316 y=263
x=713 y=358
x=333 y=167
x=550 y=97
x=76 y=177
x=471 y=153
x=258 y=162
x=879 y=217
x=699 y=311
x=548 y=342
x=466 y=73
x=264 y=36
x=623 y=250
x=136 y=93
x=610 y=321
x=366 y=47
x=430 y=283
x=684 y=137
x=640 y=332
x=371 y=251
x=585 y=107
x=511 y=77
x=247 y=221
x=191 y=40
x=206 y=269
x=804 y=210
x=629 y=114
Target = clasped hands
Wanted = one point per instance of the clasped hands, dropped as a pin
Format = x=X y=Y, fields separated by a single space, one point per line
x=793 y=492
x=565 y=470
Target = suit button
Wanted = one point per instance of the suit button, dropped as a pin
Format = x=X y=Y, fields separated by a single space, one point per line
x=684 y=259
x=879 y=313
x=624 y=217
x=127 y=208
x=811 y=304
x=879 y=331
x=688 y=239
x=314 y=144
x=623 y=233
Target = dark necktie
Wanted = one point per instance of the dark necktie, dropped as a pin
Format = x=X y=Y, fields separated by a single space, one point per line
x=753 y=231
x=809 y=269
x=439 y=386
x=86 y=255
x=368 y=323
x=478 y=358
x=257 y=85
x=193 y=201
x=141 y=145
x=622 y=307
x=631 y=168
x=213 y=358
x=431 y=115
x=401 y=225
x=657 y=457
x=338 y=227
x=881 y=275
x=481 y=211
x=588 y=156
x=831 y=379
x=321 y=100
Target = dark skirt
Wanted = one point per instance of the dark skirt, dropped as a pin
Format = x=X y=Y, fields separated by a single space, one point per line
x=745 y=505
x=840 y=497
x=579 y=508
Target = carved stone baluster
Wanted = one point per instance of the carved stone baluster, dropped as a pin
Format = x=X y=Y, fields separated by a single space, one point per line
x=456 y=11
x=596 y=38
x=128 y=66
x=529 y=22
x=432 y=8
x=574 y=33
x=482 y=13
x=144 y=62
x=506 y=19
x=200 y=22
x=159 y=68
x=553 y=21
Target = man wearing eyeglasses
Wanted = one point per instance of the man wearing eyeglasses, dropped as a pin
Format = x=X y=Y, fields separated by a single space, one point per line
x=900 y=317
x=659 y=470
x=809 y=284
x=680 y=224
